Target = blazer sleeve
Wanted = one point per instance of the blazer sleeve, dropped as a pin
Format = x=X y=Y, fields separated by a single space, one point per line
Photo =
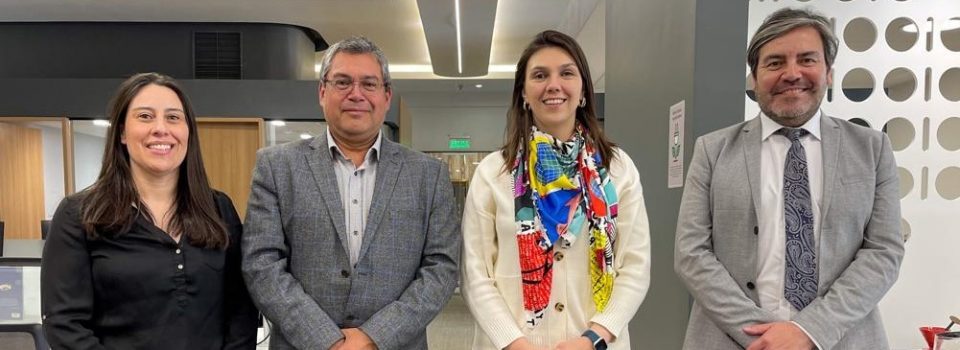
x=705 y=276
x=66 y=282
x=240 y=316
x=632 y=259
x=279 y=295
x=874 y=269
x=397 y=323
x=480 y=248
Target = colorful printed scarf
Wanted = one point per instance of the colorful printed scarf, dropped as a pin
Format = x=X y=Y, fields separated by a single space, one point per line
x=557 y=187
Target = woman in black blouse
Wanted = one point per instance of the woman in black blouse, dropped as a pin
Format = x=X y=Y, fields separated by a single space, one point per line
x=148 y=257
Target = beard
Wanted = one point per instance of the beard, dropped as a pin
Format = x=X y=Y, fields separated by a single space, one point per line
x=793 y=112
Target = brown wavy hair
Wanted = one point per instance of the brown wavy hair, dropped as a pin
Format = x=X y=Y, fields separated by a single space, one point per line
x=106 y=205
x=520 y=121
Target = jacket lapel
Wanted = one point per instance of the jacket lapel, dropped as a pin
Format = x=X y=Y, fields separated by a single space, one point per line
x=750 y=142
x=830 y=144
x=321 y=166
x=388 y=174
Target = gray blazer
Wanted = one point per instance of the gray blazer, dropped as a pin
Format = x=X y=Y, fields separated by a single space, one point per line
x=295 y=256
x=860 y=246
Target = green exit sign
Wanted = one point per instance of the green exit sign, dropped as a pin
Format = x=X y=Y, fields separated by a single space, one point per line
x=459 y=143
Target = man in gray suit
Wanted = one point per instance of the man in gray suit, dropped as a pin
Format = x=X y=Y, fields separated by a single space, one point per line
x=351 y=241
x=789 y=228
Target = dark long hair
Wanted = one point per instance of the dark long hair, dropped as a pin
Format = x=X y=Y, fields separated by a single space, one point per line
x=106 y=205
x=520 y=121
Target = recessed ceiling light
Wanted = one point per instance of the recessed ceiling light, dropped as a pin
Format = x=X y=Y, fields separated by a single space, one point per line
x=305 y=136
x=101 y=122
x=456 y=8
x=479 y=86
x=278 y=123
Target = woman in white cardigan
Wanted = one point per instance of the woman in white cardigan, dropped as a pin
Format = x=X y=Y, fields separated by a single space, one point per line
x=556 y=251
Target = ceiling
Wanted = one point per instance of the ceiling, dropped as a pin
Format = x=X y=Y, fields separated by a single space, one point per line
x=395 y=25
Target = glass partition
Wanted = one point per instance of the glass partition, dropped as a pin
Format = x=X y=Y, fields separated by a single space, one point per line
x=89 y=140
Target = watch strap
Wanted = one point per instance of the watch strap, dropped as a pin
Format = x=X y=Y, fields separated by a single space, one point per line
x=598 y=342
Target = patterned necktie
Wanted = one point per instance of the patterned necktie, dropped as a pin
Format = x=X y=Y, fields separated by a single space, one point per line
x=800 y=270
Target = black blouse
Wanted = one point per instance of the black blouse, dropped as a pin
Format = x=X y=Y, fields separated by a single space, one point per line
x=142 y=289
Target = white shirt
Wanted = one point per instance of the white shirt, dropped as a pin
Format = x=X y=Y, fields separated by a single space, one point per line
x=772 y=239
x=355 y=185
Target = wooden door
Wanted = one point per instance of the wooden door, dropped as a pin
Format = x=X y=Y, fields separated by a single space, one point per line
x=229 y=147
x=21 y=181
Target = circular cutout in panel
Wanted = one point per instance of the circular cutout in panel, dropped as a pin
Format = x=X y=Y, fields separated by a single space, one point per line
x=949 y=134
x=950 y=84
x=900 y=84
x=948 y=183
x=859 y=34
x=902 y=34
x=906 y=181
x=857 y=85
x=905 y=229
x=950 y=35
x=901 y=133
x=859 y=122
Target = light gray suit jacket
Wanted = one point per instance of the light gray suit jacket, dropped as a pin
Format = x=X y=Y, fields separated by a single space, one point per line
x=859 y=250
x=295 y=256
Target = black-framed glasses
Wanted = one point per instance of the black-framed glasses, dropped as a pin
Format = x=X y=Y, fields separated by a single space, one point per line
x=345 y=84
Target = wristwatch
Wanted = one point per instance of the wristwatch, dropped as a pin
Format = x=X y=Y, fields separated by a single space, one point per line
x=598 y=342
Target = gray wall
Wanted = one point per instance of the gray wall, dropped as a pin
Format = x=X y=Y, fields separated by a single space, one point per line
x=660 y=52
x=437 y=115
x=117 y=50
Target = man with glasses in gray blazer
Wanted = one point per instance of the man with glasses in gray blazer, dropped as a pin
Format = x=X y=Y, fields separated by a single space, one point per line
x=351 y=241
x=789 y=229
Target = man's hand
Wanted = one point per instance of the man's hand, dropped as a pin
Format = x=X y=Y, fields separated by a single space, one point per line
x=778 y=336
x=522 y=344
x=354 y=339
x=578 y=343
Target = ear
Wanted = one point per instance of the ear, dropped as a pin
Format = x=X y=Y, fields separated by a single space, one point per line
x=830 y=77
x=321 y=91
x=123 y=137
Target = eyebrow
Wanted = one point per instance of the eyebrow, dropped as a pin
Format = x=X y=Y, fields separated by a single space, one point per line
x=365 y=77
x=565 y=65
x=782 y=56
x=165 y=110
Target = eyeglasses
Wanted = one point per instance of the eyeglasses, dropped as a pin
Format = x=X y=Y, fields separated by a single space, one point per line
x=345 y=84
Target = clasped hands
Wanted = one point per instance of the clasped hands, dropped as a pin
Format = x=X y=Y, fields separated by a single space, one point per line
x=354 y=339
x=782 y=335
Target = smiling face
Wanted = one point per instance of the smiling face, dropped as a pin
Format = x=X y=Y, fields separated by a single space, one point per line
x=155 y=132
x=354 y=114
x=553 y=87
x=792 y=77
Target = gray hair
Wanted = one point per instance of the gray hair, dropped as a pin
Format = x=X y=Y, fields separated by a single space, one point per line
x=355 y=45
x=786 y=20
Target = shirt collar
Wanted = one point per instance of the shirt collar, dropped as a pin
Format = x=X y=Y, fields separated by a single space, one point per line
x=373 y=153
x=769 y=126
